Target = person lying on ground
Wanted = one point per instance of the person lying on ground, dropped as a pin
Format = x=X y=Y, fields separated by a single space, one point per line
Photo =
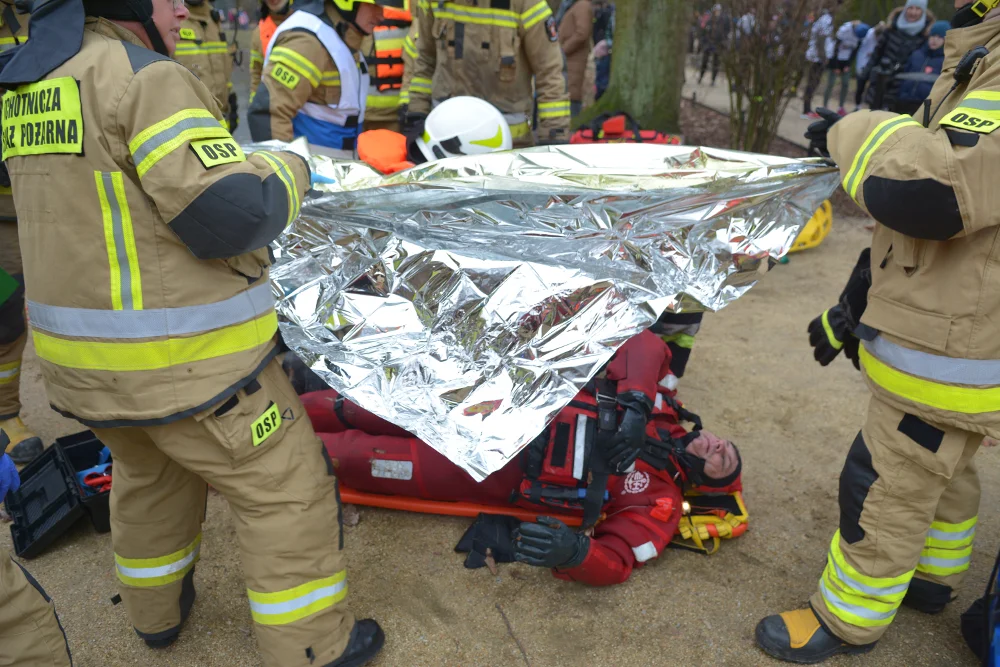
x=666 y=484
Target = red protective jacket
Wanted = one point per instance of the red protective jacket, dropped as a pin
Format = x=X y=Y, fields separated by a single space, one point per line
x=644 y=506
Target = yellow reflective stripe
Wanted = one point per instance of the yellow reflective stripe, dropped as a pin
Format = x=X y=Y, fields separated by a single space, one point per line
x=388 y=43
x=256 y=58
x=384 y=101
x=683 y=340
x=157 y=354
x=420 y=85
x=404 y=96
x=423 y=4
x=875 y=582
x=553 y=109
x=205 y=48
x=854 y=614
x=119 y=238
x=965 y=400
x=944 y=562
x=946 y=527
x=882 y=131
x=288 y=606
x=409 y=47
x=109 y=242
x=331 y=78
x=520 y=130
x=9 y=372
x=831 y=338
x=146 y=572
x=477 y=15
x=156 y=142
x=536 y=14
x=297 y=62
x=286 y=176
x=131 y=254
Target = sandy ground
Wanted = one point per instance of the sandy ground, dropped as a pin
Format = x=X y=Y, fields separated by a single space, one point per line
x=752 y=378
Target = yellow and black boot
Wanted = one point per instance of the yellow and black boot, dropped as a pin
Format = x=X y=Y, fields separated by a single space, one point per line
x=799 y=636
x=24 y=445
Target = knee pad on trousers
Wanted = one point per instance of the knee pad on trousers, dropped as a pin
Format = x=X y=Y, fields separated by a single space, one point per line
x=186 y=602
x=927 y=596
x=856 y=480
x=12 y=324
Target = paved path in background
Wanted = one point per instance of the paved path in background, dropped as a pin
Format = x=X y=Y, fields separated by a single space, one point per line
x=716 y=97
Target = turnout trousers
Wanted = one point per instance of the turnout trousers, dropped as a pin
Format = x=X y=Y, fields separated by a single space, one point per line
x=30 y=633
x=13 y=332
x=909 y=499
x=260 y=452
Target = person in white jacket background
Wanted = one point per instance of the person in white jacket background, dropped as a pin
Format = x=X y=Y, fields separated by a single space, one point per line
x=868 y=41
x=816 y=55
x=840 y=51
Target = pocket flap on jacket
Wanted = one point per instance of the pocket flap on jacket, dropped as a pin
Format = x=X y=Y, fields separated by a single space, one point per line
x=911 y=324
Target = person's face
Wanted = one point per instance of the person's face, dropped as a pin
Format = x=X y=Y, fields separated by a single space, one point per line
x=913 y=13
x=276 y=6
x=369 y=16
x=167 y=15
x=720 y=455
x=935 y=42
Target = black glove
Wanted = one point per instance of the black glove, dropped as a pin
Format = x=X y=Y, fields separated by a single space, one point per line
x=854 y=298
x=629 y=439
x=489 y=532
x=234 y=116
x=549 y=543
x=817 y=131
x=411 y=123
x=827 y=334
x=4 y=176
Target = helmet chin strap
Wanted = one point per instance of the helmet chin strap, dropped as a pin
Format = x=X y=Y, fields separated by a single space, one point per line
x=973 y=13
x=144 y=15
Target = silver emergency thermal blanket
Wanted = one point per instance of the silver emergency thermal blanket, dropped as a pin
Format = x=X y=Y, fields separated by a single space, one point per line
x=468 y=300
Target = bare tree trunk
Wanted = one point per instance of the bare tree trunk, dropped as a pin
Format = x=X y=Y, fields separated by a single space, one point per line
x=647 y=63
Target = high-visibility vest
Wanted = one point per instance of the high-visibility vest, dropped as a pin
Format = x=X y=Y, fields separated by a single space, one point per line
x=387 y=65
x=337 y=125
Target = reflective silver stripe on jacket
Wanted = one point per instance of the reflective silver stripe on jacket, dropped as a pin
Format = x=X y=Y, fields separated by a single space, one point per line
x=948 y=370
x=153 y=323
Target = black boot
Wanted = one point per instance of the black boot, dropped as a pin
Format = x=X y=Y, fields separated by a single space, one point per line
x=168 y=637
x=366 y=641
x=799 y=636
x=927 y=596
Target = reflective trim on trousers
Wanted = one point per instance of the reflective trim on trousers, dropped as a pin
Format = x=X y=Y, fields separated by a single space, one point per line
x=852 y=613
x=951 y=535
x=9 y=372
x=288 y=606
x=152 y=323
x=943 y=562
x=856 y=598
x=148 y=572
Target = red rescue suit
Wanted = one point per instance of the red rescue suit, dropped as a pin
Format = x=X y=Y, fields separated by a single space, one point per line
x=643 y=507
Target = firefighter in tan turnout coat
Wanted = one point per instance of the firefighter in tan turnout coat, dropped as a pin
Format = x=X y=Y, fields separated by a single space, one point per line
x=929 y=351
x=156 y=325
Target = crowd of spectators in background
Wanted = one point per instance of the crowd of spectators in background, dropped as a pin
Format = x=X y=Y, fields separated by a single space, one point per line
x=891 y=65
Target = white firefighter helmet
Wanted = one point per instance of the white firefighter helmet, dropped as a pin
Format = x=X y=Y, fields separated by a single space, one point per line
x=464 y=126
